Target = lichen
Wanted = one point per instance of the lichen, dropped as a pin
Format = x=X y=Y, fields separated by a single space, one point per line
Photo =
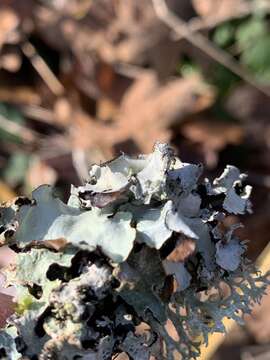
x=135 y=262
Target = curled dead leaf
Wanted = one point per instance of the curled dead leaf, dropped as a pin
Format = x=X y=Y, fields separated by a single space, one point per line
x=101 y=200
x=183 y=250
x=55 y=244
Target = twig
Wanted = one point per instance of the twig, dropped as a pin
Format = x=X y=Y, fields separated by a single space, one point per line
x=129 y=70
x=201 y=42
x=38 y=113
x=80 y=164
x=27 y=135
x=42 y=68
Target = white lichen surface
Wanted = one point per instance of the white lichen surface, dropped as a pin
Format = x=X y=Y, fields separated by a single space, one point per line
x=138 y=244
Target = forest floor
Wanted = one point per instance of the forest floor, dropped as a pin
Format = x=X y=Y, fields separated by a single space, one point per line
x=83 y=80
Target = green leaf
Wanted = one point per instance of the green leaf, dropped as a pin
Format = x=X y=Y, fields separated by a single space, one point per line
x=224 y=35
x=16 y=168
x=12 y=114
x=250 y=31
x=257 y=58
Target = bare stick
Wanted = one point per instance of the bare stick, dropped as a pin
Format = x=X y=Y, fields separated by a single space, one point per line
x=80 y=164
x=43 y=69
x=27 y=135
x=201 y=42
x=37 y=113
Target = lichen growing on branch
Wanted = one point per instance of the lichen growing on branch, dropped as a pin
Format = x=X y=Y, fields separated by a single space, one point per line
x=138 y=261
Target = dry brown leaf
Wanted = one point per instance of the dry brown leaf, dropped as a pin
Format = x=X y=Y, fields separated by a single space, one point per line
x=217 y=9
x=147 y=113
x=212 y=133
x=56 y=244
x=101 y=200
x=6 y=193
x=63 y=111
x=88 y=134
x=150 y=109
x=11 y=61
x=6 y=308
x=19 y=95
x=120 y=32
x=183 y=250
x=40 y=173
x=8 y=25
x=106 y=109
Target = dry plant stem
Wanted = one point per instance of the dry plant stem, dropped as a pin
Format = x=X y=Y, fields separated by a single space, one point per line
x=216 y=339
x=79 y=162
x=43 y=69
x=37 y=113
x=201 y=42
x=27 y=135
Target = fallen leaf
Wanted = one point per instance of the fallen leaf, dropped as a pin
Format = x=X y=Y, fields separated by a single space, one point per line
x=11 y=61
x=9 y=23
x=217 y=9
x=6 y=308
x=40 y=173
x=56 y=244
x=213 y=135
x=157 y=108
x=183 y=250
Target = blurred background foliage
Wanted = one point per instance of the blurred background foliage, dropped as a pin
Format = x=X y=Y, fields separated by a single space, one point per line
x=82 y=80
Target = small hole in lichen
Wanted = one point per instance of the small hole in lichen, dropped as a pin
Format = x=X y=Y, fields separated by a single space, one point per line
x=56 y=272
x=20 y=344
x=137 y=247
x=23 y=201
x=35 y=290
x=89 y=344
x=123 y=329
x=3 y=354
x=168 y=246
x=9 y=233
x=39 y=330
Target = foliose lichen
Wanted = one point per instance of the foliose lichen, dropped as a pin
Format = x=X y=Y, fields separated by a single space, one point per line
x=136 y=262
